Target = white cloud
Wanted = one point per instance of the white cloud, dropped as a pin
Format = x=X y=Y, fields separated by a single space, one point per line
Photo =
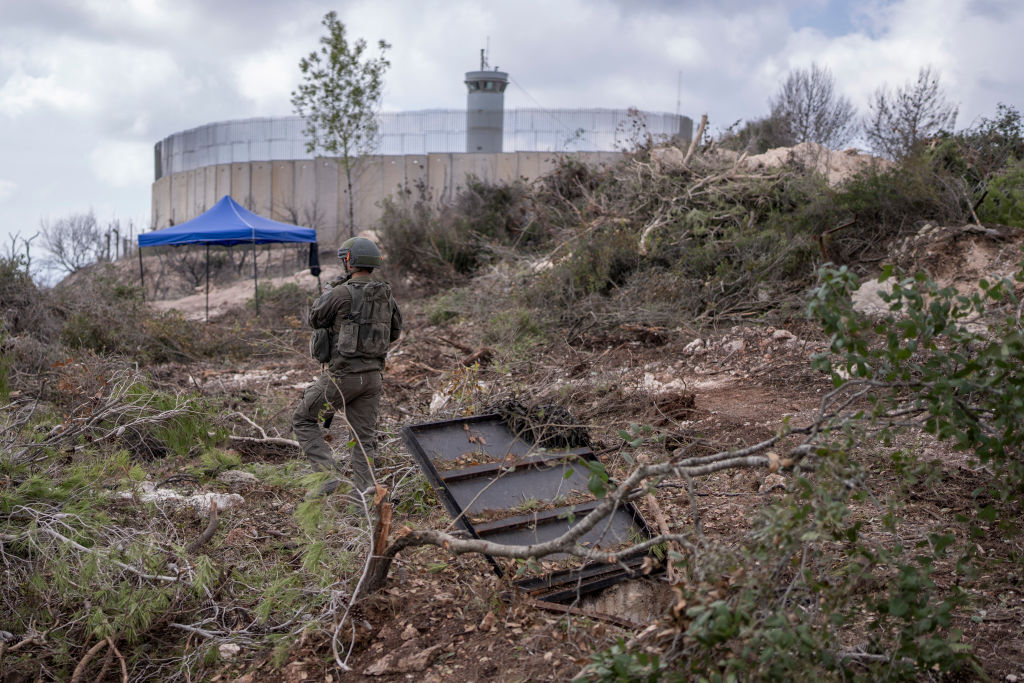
x=123 y=164
x=267 y=78
x=22 y=93
x=7 y=188
x=85 y=78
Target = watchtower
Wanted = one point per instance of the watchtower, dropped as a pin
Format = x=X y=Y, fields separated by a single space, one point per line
x=485 y=107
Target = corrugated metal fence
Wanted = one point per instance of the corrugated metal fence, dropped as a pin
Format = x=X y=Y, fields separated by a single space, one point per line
x=416 y=132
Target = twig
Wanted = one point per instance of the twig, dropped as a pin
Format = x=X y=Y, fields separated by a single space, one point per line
x=696 y=510
x=208 y=532
x=79 y=671
x=174 y=478
x=107 y=659
x=122 y=565
x=255 y=426
x=659 y=519
x=124 y=664
x=461 y=347
x=193 y=629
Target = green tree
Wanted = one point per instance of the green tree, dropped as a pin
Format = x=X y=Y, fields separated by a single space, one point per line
x=339 y=97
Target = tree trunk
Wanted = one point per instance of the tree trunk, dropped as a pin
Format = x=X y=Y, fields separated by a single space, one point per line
x=351 y=208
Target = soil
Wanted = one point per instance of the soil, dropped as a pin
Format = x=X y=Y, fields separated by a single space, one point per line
x=728 y=388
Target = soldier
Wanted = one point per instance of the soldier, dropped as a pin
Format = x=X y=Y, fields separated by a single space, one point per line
x=363 y=319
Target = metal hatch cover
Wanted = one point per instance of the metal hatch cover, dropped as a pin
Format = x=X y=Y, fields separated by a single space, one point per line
x=500 y=487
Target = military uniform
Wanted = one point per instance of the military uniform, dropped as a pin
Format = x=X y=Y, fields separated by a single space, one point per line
x=351 y=385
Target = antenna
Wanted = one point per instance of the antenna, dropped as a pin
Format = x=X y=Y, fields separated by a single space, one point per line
x=483 y=60
x=487 y=63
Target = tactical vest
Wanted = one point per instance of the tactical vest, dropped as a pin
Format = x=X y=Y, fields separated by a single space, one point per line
x=366 y=331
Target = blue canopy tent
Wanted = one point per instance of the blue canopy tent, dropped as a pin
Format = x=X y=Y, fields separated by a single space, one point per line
x=226 y=224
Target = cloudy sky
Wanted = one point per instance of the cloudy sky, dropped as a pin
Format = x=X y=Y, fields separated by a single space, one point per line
x=88 y=86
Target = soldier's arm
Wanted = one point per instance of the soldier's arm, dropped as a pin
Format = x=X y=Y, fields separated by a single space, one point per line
x=396 y=321
x=327 y=306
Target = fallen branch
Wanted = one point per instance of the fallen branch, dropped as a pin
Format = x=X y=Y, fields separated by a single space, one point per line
x=659 y=519
x=120 y=657
x=208 y=532
x=460 y=346
x=273 y=440
x=482 y=355
x=79 y=671
x=122 y=565
x=696 y=138
x=568 y=542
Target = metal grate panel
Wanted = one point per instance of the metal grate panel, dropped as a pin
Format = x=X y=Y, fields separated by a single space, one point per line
x=501 y=488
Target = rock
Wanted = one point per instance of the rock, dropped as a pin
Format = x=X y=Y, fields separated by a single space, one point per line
x=694 y=348
x=228 y=650
x=237 y=479
x=868 y=300
x=771 y=482
x=199 y=502
x=783 y=335
x=403 y=661
x=736 y=346
x=668 y=158
x=410 y=632
x=658 y=387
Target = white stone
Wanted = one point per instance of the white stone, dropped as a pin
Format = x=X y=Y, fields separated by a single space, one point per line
x=736 y=346
x=783 y=335
x=668 y=158
x=229 y=650
x=694 y=348
x=199 y=502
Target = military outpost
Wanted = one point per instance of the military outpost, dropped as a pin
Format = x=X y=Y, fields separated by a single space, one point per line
x=263 y=165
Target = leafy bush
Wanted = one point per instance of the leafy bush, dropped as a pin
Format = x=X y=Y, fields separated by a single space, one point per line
x=458 y=237
x=281 y=304
x=927 y=358
x=1004 y=198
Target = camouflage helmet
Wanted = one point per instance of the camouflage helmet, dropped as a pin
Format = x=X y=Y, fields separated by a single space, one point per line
x=360 y=253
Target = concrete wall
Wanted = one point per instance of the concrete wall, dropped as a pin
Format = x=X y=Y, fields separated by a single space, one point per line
x=314 y=192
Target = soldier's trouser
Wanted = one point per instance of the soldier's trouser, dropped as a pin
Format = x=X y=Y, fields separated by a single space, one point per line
x=357 y=397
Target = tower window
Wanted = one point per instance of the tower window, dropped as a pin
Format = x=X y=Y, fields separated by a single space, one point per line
x=488 y=85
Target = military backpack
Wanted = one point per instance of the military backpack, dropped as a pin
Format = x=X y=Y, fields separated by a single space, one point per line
x=366 y=330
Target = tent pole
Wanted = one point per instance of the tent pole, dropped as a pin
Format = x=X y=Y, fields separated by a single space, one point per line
x=255 y=284
x=142 y=274
x=207 y=282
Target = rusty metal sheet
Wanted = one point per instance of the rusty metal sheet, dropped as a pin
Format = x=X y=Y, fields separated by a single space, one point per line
x=500 y=487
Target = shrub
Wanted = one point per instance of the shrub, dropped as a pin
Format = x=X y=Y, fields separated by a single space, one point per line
x=458 y=237
x=1004 y=199
x=281 y=304
x=923 y=358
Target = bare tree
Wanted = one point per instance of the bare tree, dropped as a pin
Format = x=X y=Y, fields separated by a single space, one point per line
x=810 y=109
x=73 y=242
x=900 y=120
x=14 y=250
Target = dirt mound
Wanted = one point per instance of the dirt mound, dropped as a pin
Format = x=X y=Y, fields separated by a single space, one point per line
x=224 y=298
x=835 y=166
x=954 y=256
